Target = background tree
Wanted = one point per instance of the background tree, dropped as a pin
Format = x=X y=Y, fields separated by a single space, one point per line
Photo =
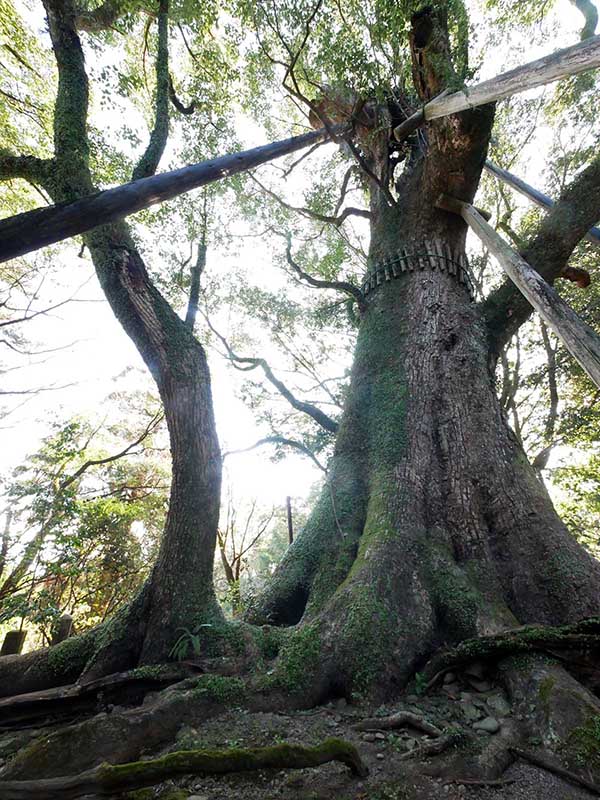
x=70 y=543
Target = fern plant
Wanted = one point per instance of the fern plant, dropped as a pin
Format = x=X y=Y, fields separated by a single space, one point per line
x=189 y=640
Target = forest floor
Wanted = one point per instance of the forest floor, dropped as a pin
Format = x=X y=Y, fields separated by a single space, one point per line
x=393 y=773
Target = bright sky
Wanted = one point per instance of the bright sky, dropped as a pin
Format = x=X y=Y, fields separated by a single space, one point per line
x=102 y=350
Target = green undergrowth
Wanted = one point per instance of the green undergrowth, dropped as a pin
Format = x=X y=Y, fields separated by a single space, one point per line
x=222 y=689
x=583 y=744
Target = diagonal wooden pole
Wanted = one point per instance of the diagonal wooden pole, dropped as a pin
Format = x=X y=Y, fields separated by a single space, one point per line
x=579 y=339
x=570 y=61
x=537 y=197
x=43 y=226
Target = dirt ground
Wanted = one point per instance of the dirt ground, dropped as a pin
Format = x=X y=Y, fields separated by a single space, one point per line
x=393 y=773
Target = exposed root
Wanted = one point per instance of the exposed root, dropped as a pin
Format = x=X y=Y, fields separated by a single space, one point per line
x=123 y=736
x=477 y=782
x=108 y=779
x=549 y=766
x=581 y=637
x=400 y=720
x=435 y=746
x=66 y=701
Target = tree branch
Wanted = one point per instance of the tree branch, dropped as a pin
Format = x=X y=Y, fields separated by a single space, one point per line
x=590 y=14
x=197 y=270
x=293 y=443
x=336 y=219
x=341 y=286
x=102 y=17
x=95 y=462
x=71 y=145
x=311 y=410
x=29 y=168
x=149 y=161
x=186 y=110
x=548 y=252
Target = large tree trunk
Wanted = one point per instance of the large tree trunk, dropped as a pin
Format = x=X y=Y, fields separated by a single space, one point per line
x=432 y=527
x=451 y=536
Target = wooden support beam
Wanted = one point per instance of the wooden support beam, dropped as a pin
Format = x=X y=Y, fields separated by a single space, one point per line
x=570 y=61
x=539 y=198
x=43 y=226
x=579 y=339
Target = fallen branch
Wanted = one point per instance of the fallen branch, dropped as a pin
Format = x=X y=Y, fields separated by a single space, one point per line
x=549 y=766
x=109 y=779
x=400 y=720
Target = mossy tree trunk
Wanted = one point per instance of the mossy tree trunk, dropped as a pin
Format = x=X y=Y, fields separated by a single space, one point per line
x=179 y=591
x=432 y=527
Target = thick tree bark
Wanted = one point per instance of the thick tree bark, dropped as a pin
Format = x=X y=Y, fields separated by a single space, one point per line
x=451 y=534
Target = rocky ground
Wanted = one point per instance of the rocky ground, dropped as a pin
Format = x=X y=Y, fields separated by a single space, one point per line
x=469 y=702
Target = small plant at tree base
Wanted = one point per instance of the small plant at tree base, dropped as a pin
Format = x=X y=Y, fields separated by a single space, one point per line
x=420 y=683
x=189 y=640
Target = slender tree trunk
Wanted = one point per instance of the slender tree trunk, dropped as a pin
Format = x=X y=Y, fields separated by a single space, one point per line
x=179 y=591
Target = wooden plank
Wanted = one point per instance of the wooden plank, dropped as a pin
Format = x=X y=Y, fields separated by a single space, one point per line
x=579 y=339
x=442 y=265
x=26 y=232
x=539 y=198
x=570 y=61
x=450 y=259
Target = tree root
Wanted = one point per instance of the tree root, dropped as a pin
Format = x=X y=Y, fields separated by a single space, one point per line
x=582 y=636
x=434 y=747
x=549 y=766
x=479 y=782
x=400 y=720
x=108 y=779
x=122 y=736
x=66 y=701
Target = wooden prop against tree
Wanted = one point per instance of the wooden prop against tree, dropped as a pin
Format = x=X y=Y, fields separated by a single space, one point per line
x=43 y=226
x=579 y=339
x=539 y=198
x=570 y=61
